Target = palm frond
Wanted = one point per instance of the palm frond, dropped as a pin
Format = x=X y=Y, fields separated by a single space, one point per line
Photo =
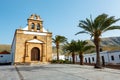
x=97 y=26
x=111 y=28
x=81 y=32
x=99 y=20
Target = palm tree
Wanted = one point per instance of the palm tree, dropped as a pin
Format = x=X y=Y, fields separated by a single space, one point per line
x=71 y=48
x=82 y=46
x=95 y=28
x=58 y=40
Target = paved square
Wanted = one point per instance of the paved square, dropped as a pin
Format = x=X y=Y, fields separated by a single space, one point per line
x=57 y=72
x=8 y=73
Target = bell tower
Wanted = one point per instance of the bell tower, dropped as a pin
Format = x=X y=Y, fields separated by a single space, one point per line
x=35 y=23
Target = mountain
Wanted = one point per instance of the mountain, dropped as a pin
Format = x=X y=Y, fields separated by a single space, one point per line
x=109 y=44
x=111 y=41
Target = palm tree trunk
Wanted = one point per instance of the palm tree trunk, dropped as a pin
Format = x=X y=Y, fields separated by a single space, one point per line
x=81 y=58
x=57 y=52
x=73 y=57
x=97 y=44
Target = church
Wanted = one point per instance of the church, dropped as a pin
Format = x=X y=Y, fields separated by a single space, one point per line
x=32 y=44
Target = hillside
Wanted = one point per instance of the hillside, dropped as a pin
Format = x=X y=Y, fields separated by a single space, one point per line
x=5 y=47
x=109 y=44
x=111 y=41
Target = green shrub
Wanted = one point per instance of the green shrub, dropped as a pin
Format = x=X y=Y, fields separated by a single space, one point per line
x=67 y=61
x=61 y=61
x=54 y=61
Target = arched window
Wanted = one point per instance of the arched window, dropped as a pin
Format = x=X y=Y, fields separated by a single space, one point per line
x=38 y=26
x=32 y=26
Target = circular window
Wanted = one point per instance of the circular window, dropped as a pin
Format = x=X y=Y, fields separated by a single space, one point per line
x=35 y=37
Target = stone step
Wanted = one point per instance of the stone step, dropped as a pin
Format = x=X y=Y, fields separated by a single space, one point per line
x=38 y=63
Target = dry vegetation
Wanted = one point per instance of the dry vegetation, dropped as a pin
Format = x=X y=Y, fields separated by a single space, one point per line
x=5 y=47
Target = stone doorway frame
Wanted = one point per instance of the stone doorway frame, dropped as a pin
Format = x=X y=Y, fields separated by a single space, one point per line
x=31 y=44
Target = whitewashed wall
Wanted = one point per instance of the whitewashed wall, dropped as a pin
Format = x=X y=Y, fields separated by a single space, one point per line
x=13 y=49
x=5 y=58
x=61 y=57
x=106 y=57
x=116 y=55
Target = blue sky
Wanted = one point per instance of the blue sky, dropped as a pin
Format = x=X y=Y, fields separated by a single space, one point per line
x=61 y=17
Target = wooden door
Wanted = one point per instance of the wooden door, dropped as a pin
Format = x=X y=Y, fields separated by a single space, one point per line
x=35 y=54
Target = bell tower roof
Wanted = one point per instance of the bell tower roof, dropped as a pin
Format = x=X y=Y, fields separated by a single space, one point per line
x=35 y=17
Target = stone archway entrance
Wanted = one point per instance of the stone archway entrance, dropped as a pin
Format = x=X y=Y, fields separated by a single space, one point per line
x=35 y=54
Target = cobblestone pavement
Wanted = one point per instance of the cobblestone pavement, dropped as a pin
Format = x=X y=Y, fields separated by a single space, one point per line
x=57 y=72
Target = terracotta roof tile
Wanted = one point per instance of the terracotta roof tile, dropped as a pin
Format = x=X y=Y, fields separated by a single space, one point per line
x=4 y=52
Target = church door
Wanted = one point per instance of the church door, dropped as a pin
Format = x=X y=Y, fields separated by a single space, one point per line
x=35 y=54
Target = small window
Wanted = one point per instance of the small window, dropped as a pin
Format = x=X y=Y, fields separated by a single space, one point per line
x=89 y=60
x=32 y=26
x=38 y=26
x=112 y=58
x=119 y=56
x=86 y=60
x=1 y=56
x=101 y=50
x=92 y=58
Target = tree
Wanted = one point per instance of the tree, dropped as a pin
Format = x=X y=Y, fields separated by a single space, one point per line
x=82 y=47
x=95 y=28
x=71 y=48
x=58 y=40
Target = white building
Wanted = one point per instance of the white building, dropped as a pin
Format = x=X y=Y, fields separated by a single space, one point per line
x=61 y=57
x=5 y=57
x=107 y=57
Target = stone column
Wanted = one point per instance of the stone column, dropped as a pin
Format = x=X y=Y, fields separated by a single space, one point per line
x=26 y=49
x=35 y=29
x=26 y=52
x=44 y=53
